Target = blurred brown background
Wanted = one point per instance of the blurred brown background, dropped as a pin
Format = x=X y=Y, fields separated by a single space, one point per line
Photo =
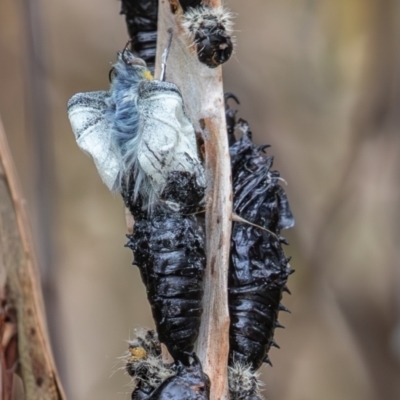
x=317 y=79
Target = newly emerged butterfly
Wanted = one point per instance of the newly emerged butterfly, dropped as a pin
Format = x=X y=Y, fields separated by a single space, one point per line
x=258 y=269
x=138 y=130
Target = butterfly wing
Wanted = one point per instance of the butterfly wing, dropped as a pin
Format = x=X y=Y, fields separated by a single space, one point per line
x=87 y=115
x=167 y=138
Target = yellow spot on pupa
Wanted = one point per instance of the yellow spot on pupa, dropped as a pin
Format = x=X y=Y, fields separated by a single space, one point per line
x=147 y=75
x=137 y=353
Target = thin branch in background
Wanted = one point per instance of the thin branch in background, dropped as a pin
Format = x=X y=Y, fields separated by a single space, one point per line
x=22 y=302
x=43 y=166
x=40 y=137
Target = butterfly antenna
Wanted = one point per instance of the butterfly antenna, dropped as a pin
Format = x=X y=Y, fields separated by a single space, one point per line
x=165 y=56
x=126 y=47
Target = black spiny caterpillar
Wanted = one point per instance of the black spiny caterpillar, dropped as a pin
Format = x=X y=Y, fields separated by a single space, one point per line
x=258 y=269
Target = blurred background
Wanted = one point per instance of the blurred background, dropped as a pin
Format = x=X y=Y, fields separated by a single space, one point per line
x=317 y=79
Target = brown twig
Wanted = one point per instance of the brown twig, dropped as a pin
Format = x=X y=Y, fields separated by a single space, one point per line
x=20 y=286
x=202 y=91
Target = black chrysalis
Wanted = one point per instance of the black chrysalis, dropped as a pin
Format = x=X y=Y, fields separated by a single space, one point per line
x=141 y=20
x=258 y=267
x=155 y=380
x=168 y=248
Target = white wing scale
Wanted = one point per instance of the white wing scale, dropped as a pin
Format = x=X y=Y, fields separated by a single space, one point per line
x=86 y=112
x=167 y=138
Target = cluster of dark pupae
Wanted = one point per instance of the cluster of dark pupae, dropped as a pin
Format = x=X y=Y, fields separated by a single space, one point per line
x=169 y=247
x=168 y=242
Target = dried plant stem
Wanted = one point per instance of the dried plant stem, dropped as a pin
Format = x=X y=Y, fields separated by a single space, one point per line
x=202 y=91
x=22 y=303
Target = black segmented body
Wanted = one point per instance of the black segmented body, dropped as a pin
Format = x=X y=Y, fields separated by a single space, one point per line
x=141 y=20
x=258 y=267
x=169 y=251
